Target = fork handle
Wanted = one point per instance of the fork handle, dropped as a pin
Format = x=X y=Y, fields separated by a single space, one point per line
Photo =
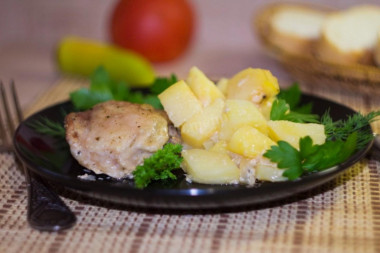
x=46 y=211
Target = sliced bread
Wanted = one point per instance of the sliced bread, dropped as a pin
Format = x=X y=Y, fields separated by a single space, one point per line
x=295 y=28
x=349 y=36
x=377 y=50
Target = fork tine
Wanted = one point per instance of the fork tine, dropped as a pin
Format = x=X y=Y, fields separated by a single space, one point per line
x=7 y=110
x=16 y=102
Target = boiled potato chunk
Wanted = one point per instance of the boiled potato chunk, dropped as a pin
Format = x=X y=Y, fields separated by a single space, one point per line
x=222 y=85
x=266 y=107
x=203 y=88
x=239 y=113
x=291 y=132
x=255 y=85
x=269 y=172
x=180 y=103
x=220 y=146
x=203 y=125
x=249 y=142
x=209 y=167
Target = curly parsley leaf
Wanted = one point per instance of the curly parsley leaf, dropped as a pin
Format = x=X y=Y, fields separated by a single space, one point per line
x=159 y=166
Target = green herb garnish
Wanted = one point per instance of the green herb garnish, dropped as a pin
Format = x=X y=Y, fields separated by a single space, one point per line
x=341 y=129
x=287 y=107
x=49 y=127
x=310 y=158
x=343 y=137
x=162 y=83
x=292 y=96
x=281 y=111
x=159 y=166
x=103 y=88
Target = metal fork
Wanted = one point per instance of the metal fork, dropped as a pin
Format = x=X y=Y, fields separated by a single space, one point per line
x=46 y=211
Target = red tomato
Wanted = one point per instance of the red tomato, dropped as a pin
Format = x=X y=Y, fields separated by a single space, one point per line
x=160 y=30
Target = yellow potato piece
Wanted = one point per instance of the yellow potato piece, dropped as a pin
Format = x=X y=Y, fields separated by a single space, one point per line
x=239 y=113
x=220 y=146
x=255 y=85
x=209 y=167
x=203 y=125
x=222 y=85
x=291 y=132
x=180 y=103
x=266 y=107
x=203 y=88
x=249 y=142
x=270 y=173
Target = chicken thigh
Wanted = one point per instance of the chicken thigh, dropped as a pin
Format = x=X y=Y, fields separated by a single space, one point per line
x=114 y=137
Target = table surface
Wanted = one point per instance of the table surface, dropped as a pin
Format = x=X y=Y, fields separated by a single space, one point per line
x=341 y=216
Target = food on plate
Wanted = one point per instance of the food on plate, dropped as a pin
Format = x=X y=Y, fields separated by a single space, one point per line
x=350 y=36
x=292 y=132
x=102 y=88
x=203 y=125
x=81 y=56
x=296 y=28
x=238 y=113
x=116 y=136
x=218 y=139
x=255 y=85
x=203 y=88
x=210 y=167
x=161 y=30
x=180 y=103
x=226 y=127
x=249 y=142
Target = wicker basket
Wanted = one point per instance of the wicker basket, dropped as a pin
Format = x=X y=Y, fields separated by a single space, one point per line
x=310 y=71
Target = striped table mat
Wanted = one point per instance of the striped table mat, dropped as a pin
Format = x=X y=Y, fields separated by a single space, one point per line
x=340 y=216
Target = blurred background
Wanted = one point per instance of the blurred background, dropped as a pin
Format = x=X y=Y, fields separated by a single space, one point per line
x=222 y=44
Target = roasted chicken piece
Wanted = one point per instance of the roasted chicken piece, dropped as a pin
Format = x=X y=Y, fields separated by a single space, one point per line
x=114 y=137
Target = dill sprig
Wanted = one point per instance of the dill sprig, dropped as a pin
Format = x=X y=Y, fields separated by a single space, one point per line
x=341 y=129
x=46 y=126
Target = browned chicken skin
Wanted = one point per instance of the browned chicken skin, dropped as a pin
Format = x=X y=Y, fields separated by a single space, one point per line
x=114 y=137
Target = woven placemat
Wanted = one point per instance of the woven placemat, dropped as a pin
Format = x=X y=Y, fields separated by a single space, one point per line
x=341 y=216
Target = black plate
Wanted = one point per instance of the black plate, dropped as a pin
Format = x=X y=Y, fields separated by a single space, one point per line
x=52 y=160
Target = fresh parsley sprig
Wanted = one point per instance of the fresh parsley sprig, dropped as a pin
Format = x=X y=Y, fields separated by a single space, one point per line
x=281 y=111
x=292 y=96
x=343 y=137
x=103 y=88
x=287 y=107
x=159 y=166
x=310 y=158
